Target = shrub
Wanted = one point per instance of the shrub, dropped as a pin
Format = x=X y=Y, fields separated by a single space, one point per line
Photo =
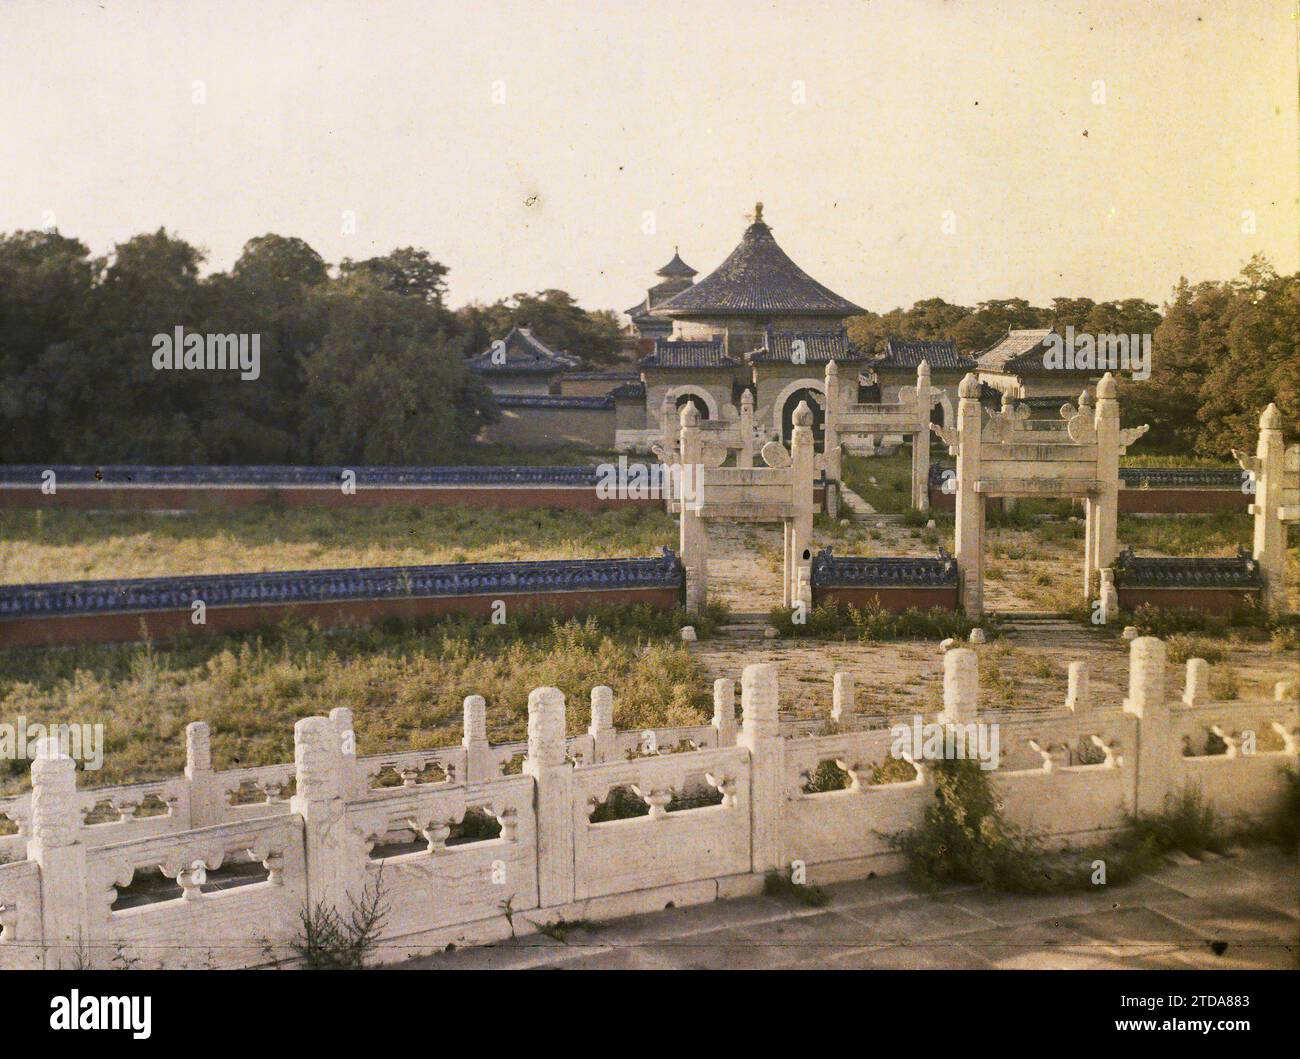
x=963 y=838
x=329 y=941
x=1182 y=647
x=777 y=884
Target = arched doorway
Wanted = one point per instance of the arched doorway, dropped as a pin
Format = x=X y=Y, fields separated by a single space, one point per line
x=697 y=401
x=812 y=398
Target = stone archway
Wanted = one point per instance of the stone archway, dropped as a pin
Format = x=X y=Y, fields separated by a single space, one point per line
x=710 y=402
x=809 y=390
x=697 y=401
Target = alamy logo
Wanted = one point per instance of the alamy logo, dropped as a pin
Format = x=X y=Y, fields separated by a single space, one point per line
x=655 y=481
x=77 y=1012
x=28 y=742
x=1105 y=352
x=946 y=742
x=198 y=352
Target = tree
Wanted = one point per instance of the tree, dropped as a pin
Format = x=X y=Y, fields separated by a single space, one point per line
x=406 y=271
x=554 y=317
x=388 y=384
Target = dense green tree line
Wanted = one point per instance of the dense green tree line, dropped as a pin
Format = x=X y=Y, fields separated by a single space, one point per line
x=363 y=363
x=1220 y=351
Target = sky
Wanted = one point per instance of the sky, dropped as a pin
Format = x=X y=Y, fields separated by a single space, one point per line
x=924 y=148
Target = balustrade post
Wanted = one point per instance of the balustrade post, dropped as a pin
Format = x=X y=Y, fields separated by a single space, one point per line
x=548 y=764
x=604 y=737
x=1154 y=762
x=761 y=735
x=724 y=711
x=961 y=686
x=336 y=855
x=56 y=845
x=475 y=741
x=207 y=803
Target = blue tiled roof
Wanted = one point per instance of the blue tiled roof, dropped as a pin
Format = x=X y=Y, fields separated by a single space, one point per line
x=679 y=353
x=852 y=571
x=530 y=400
x=524 y=354
x=1238 y=571
x=904 y=353
x=311 y=586
x=758 y=278
x=272 y=475
x=819 y=347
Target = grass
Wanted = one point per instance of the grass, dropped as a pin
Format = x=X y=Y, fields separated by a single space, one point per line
x=405 y=682
x=891 y=493
x=873 y=624
x=72 y=545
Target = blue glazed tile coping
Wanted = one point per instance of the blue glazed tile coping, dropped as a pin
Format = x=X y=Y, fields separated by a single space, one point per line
x=851 y=571
x=1150 y=477
x=282 y=475
x=66 y=598
x=1238 y=571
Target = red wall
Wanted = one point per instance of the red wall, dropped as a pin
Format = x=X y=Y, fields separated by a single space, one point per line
x=160 y=624
x=1206 y=600
x=894 y=600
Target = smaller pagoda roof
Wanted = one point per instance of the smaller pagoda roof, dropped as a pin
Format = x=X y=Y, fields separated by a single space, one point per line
x=676 y=268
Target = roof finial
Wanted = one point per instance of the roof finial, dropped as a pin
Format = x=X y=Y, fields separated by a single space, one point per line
x=758 y=213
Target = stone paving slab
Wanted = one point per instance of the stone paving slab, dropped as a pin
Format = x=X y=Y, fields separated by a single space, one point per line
x=1239 y=912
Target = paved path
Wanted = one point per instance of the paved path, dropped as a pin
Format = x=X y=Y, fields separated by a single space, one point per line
x=1231 y=913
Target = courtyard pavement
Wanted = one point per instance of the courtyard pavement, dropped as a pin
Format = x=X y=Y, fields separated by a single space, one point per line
x=1235 y=912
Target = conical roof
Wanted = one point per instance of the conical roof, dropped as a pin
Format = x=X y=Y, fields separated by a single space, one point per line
x=676 y=268
x=758 y=279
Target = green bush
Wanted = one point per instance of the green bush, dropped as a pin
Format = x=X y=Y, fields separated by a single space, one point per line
x=963 y=838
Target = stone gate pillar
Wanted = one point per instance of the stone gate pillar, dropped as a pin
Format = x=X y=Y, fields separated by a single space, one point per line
x=1101 y=531
x=668 y=428
x=1270 y=530
x=830 y=425
x=921 y=440
x=694 y=542
x=801 y=478
x=745 y=457
x=969 y=531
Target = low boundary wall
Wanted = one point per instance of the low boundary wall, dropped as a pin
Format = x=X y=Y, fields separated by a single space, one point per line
x=1213 y=585
x=1073 y=774
x=157 y=488
x=1148 y=491
x=158 y=607
x=896 y=584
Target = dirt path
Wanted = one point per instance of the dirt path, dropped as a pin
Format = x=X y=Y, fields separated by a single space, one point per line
x=1025 y=669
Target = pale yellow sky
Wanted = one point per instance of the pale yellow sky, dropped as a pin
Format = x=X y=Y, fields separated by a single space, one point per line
x=688 y=112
